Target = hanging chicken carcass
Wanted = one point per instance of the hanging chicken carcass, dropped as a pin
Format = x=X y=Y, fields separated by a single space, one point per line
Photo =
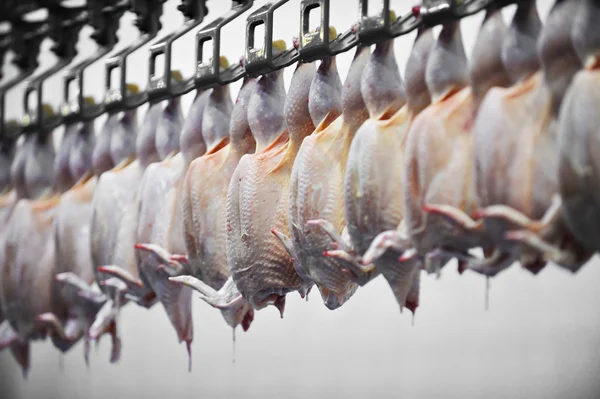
x=517 y=183
x=28 y=270
x=373 y=181
x=257 y=201
x=579 y=130
x=316 y=186
x=168 y=235
x=74 y=267
x=114 y=215
x=203 y=204
x=12 y=161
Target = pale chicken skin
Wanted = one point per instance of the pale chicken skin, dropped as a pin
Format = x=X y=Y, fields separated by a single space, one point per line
x=27 y=289
x=373 y=181
x=203 y=204
x=579 y=130
x=440 y=194
x=316 y=185
x=526 y=221
x=160 y=206
x=257 y=200
x=113 y=219
x=114 y=214
x=74 y=267
x=12 y=159
x=8 y=198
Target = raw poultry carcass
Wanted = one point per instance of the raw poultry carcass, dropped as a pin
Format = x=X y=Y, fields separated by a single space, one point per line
x=12 y=163
x=116 y=144
x=373 y=181
x=8 y=198
x=257 y=199
x=316 y=185
x=64 y=179
x=114 y=215
x=74 y=268
x=28 y=270
x=579 y=131
x=160 y=217
x=203 y=203
x=114 y=207
x=516 y=147
x=168 y=223
x=513 y=62
x=437 y=173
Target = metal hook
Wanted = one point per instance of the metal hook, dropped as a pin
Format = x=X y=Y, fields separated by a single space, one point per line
x=106 y=21
x=15 y=9
x=373 y=29
x=318 y=44
x=64 y=26
x=4 y=46
x=160 y=87
x=258 y=61
x=437 y=12
x=26 y=38
x=208 y=73
x=148 y=22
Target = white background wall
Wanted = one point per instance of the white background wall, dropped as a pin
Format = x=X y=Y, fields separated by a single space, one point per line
x=539 y=338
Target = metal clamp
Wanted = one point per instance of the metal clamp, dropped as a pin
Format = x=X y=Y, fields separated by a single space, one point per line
x=373 y=29
x=148 y=22
x=317 y=44
x=106 y=22
x=4 y=46
x=26 y=38
x=160 y=87
x=258 y=61
x=64 y=26
x=16 y=9
x=208 y=73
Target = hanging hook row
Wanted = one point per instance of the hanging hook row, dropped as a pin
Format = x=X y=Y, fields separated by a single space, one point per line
x=257 y=60
x=311 y=45
x=104 y=18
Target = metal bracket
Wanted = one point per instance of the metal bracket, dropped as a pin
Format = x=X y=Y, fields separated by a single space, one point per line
x=258 y=61
x=373 y=29
x=148 y=22
x=15 y=9
x=208 y=73
x=26 y=38
x=65 y=32
x=437 y=12
x=161 y=87
x=318 y=44
x=4 y=46
x=106 y=21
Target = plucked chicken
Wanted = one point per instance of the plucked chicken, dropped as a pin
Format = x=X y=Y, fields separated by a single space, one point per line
x=257 y=200
x=28 y=270
x=204 y=198
x=10 y=154
x=316 y=185
x=438 y=151
x=525 y=222
x=81 y=298
x=114 y=215
x=373 y=181
x=579 y=130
